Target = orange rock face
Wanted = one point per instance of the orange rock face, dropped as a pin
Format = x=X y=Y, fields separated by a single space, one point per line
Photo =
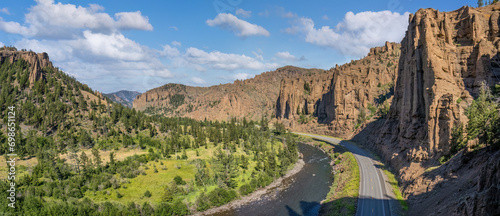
x=37 y=62
x=335 y=98
x=252 y=98
x=445 y=56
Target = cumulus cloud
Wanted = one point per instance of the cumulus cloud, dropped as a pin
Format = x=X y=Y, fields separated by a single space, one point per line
x=170 y=51
x=325 y=17
x=243 y=13
x=5 y=11
x=50 y=20
x=356 y=33
x=88 y=44
x=239 y=27
x=225 y=61
x=2 y=44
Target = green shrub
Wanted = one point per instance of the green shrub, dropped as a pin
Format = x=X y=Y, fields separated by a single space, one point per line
x=221 y=196
x=179 y=181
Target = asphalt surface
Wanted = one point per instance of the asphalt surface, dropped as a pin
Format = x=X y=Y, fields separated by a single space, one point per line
x=373 y=196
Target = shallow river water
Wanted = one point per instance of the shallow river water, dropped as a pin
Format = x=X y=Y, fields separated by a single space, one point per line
x=299 y=194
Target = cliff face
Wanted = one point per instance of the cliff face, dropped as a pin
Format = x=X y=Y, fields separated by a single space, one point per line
x=252 y=98
x=336 y=98
x=445 y=56
x=37 y=62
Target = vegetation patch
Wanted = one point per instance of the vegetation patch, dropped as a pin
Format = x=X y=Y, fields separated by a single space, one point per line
x=343 y=194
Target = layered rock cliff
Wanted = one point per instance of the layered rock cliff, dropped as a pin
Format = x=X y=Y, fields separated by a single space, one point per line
x=445 y=56
x=37 y=62
x=336 y=98
x=252 y=98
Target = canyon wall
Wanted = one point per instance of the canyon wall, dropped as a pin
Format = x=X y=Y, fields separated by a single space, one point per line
x=445 y=56
x=334 y=100
x=252 y=98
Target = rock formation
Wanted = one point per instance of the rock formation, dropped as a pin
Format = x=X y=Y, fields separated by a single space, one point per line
x=252 y=98
x=337 y=97
x=445 y=56
x=37 y=62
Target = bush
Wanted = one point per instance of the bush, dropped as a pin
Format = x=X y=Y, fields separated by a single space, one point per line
x=483 y=118
x=179 y=181
x=147 y=194
x=221 y=196
x=246 y=189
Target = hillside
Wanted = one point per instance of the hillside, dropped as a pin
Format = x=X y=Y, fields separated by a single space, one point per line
x=445 y=58
x=338 y=101
x=77 y=152
x=252 y=98
x=123 y=97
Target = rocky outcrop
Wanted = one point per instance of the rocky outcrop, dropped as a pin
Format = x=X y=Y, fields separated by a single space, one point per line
x=37 y=62
x=336 y=98
x=445 y=56
x=252 y=98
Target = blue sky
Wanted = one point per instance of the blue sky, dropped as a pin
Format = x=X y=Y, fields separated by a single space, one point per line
x=138 y=45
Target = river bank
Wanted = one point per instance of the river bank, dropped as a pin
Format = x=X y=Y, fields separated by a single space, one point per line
x=256 y=195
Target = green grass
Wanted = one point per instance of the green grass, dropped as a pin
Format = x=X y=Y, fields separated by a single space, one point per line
x=395 y=188
x=343 y=194
x=134 y=190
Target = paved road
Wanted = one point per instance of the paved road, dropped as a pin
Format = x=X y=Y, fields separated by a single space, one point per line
x=373 y=198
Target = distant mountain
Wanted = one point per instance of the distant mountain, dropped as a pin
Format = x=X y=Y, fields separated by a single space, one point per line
x=123 y=97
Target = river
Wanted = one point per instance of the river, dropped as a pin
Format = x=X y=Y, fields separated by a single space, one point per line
x=299 y=194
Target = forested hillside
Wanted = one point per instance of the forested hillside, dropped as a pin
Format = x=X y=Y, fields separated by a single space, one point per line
x=76 y=136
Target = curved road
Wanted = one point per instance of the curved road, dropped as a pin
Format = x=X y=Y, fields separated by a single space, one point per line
x=373 y=196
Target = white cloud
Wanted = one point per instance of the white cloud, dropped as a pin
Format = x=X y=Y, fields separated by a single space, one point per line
x=286 y=56
x=241 y=76
x=2 y=44
x=132 y=20
x=50 y=20
x=170 y=51
x=238 y=76
x=243 y=13
x=325 y=17
x=258 y=56
x=176 y=43
x=225 y=61
x=356 y=33
x=5 y=11
x=113 y=46
x=239 y=27
x=174 y=28
x=198 y=81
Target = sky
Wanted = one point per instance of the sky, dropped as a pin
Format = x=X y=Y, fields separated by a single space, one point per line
x=139 y=45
